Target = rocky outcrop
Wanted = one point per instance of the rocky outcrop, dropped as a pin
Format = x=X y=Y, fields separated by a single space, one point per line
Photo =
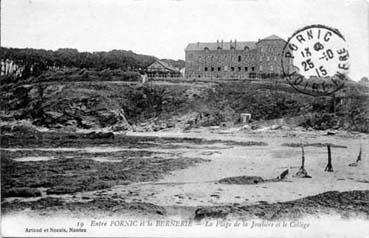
x=22 y=192
x=57 y=106
x=23 y=129
x=118 y=106
x=347 y=204
x=110 y=206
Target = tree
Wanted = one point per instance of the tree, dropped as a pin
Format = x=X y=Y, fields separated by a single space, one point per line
x=364 y=80
x=36 y=61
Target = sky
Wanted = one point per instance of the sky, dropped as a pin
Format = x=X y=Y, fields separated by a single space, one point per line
x=163 y=28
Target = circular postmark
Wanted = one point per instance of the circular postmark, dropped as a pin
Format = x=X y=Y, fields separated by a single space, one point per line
x=315 y=60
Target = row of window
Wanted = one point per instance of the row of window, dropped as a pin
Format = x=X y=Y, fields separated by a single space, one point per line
x=212 y=69
x=250 y=75
x=239 y=58
x=270 y=67
x=226 y=68
x=220 y=48
x=262 y=49
x=269 y=48
x=268 y=58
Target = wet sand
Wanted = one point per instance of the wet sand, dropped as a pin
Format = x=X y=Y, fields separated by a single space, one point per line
x=218 y=153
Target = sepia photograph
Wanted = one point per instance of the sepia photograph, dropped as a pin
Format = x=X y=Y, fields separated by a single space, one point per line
x=184 y=118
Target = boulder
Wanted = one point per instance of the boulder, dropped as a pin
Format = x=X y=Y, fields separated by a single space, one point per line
x=242 y=180
x=88 y=122
x=100 y=135
x=171 y=124
x=156 y=127
x=255 y=127
x=53 y=114
x=187 y=127
x=107 y=118
x=33 y=93
x=212 y=212
x=71 y=122
x=121 y=127
x=20 y=98
x=246 y=127
x=139 y=129
x=275 y=127
x=52 y=90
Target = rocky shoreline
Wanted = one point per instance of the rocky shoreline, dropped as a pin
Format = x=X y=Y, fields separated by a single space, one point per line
x=345 y=204
x=47 y=172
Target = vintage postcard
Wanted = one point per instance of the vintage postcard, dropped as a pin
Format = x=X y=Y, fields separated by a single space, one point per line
x=184 y=118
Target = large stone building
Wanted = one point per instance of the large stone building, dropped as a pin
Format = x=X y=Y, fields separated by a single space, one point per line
x=234 y=59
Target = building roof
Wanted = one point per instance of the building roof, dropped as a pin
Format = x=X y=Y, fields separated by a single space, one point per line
x=272 y=37
x=164 y=65
x=239 y=45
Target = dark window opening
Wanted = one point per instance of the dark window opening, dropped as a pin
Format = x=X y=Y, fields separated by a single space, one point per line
x=199 y=76
x=239 y=58
x=239 y=68
x=218 y=68
x=246 y=69
x=212 y=68
x=232 y=68
x=252 y=75
x=206 y=68
x=252 y=68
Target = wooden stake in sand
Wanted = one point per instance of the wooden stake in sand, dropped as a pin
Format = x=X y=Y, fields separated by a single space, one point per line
x=359 y=156
x=329 y=167
x=302 y=157
x=357 y=160
x=302 y=173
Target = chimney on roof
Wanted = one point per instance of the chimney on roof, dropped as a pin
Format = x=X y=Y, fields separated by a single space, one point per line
x=222 y=44
x=235 y=43
x=217 y=44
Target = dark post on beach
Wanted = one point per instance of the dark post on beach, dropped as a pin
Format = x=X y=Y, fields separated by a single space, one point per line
x=359 y=156
x=303 y=157
x=356 y=163
x=302 y=173
x=329 y=167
